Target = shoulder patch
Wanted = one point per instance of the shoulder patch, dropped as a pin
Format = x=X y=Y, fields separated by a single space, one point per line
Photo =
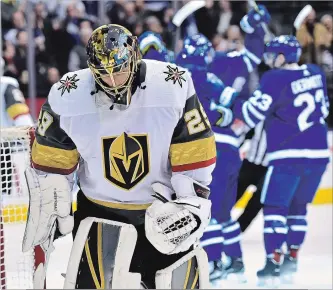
x=175 y=75
x=68 y=84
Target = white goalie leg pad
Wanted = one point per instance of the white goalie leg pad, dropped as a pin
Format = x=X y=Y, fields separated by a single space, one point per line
x=180 y=275
x=121 y=277
x=49 y=202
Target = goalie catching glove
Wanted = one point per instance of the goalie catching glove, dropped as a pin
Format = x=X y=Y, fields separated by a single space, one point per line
x=173 y=226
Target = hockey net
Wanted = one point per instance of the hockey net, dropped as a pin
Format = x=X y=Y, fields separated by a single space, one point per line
x=16 y=267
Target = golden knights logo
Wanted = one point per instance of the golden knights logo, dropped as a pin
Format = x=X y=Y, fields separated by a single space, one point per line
x=126 y=159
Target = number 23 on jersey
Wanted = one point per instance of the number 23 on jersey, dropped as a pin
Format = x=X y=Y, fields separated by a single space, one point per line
x=310 y=102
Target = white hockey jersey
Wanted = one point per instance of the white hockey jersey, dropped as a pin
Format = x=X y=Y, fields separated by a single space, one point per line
x=121 y=152
x=14 y=111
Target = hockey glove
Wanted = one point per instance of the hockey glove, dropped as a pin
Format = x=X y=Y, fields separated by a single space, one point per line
x=253 y=19
x=225 y=115
x=228 y=97
x=173 y=226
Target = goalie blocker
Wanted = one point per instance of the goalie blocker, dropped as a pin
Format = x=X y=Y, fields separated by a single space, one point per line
x=111 y=251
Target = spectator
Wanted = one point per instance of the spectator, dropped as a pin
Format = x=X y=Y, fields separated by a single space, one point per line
x=53 y=76
x=71 y=23
x=154 y=7
x=152 y=23
x=7 y=10
x=85 y=24
x=20 y=60
x=19 y=23
x=9 y=52
x=125 y=13
x=326 y=60
x=78 y=57
x=219 y=43
x=233 y=40
x=312 y=36
x=217 y=16
x=131 y=15
x=225 y=16
x=327 y=21
x=46 y=78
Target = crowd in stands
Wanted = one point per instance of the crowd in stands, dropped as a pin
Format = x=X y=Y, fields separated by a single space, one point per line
x=62 y=29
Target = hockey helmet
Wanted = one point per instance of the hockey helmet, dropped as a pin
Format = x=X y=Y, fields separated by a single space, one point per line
x=113 y=57
x=197 y=53
x=152 y=46
x=286 y=45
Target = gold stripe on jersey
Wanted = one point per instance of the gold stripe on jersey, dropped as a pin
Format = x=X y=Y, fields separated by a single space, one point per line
x=128 y=206
x=53 y=159
x=194 y=154
x=17 y=109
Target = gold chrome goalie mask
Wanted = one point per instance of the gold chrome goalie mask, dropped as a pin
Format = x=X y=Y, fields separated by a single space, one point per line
x=113 y=57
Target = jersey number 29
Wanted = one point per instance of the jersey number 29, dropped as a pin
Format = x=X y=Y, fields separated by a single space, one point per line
x=194 y=120
x=310 y=102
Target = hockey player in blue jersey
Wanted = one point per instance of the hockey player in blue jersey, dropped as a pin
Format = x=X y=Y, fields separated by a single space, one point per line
x=223 y=232
x=151 y=46
x=234 y=67
x=293 y=101
x=196 y=55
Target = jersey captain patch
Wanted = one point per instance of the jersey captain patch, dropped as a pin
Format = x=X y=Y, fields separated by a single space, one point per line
x=126 y=159
x=68 y=84
x=175 y=75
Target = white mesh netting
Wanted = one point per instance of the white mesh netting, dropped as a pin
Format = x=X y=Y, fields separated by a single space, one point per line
x=16 y=268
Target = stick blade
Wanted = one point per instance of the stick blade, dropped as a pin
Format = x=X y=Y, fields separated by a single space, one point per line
x=186 y=11
x=301 y=16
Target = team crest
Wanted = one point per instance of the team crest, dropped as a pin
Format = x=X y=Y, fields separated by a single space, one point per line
x=68 y=84
x=175 y=75
x=126 y=159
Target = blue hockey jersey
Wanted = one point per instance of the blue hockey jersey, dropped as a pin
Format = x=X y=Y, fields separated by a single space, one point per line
x=234 y=67
x=209 y=88
x=294 y=104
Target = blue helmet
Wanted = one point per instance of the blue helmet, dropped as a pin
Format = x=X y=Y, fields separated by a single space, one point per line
x=197 y=53
x=152 y=46
x=287 y=45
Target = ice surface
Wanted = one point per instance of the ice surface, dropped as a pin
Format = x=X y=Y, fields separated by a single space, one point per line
x=315 y=268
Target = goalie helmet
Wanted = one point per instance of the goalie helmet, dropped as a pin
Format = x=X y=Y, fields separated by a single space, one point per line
x=113 y=58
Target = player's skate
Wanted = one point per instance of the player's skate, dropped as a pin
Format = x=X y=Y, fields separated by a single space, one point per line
x=289 y=267
x=233 y=269
x=215 y=271
x=269 y=276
